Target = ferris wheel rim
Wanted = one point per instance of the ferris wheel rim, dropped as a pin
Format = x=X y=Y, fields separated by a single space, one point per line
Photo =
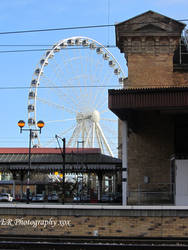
x=46 y=57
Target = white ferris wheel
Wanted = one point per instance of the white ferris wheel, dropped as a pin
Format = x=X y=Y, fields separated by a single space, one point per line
x=69 y=92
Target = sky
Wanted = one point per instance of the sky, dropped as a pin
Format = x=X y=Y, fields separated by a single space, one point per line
x=17 y=67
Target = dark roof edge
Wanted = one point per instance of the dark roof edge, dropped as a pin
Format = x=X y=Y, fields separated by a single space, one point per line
x=148 y=90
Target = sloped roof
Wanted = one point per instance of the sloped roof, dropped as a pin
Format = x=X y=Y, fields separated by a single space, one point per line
x=147 y=24
x=51 y=159
x=149 y=13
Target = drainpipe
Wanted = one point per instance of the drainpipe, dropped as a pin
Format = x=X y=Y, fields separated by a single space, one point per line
x=124 y=162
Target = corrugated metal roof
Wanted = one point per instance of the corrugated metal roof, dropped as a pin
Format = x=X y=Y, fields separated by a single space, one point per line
x=57 y=158
x=50 y=162
x=148 y=90
x=149 y=98
x=59 y=167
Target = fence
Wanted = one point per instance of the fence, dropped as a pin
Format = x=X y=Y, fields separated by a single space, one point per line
x=152 y=194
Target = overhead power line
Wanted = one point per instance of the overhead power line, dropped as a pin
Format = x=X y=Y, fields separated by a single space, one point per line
x=81 y=86
x=56 y=29
x=60 y=87
x=68 y=48
x=44 y=49
x=75 y=27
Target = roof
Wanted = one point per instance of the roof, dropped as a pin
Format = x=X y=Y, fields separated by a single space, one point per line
x=149 y=12
x=148 y=24
x=149 y=90
x=167 y=98
x=51 y=159
x=48 y=150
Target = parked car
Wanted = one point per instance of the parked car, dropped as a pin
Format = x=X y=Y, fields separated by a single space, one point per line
x=76 y=198
x=24 y=198
x=106 y=198
x=38 y=197
x=118 y=197
x=53 y=197
x=6 y=197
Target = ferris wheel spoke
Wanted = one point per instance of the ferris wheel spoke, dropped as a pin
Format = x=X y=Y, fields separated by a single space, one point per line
x=86 y=92
x=56 y=105
x=104 y=82
x=93 y=81
x=109 y=120
x=63 y=133
x=68 y=62
x=110 y=131
x=104 y=111
x=65 y=120
x=99 y=93
x=72 y=68
x=83 y=83
x=59 y=73
x=98 y=99
x=100 y=71
x=58 y=91
x=102 y=102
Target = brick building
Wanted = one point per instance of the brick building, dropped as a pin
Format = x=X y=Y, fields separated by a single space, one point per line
x=153 y=110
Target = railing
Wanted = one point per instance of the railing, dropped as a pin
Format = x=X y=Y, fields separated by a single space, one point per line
x=152 y=194
x=185 y=38
x=183 y=45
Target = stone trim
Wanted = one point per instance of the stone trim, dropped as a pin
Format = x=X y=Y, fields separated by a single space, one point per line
x=90 y=210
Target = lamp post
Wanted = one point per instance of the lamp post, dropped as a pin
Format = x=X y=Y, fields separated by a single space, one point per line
x=63 y=156
x=40 y=125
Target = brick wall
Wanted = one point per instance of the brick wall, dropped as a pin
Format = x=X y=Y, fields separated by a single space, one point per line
x=113 y=222
x=180 y=78
x=149 y=152
x=150 y=70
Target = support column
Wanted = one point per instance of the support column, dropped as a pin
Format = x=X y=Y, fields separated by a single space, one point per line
x=124 y=162
x=13 y=184
x=100 y=177
x=21 y=184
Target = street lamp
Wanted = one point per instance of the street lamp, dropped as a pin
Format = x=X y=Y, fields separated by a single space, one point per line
x=63 y=156
x=40 y=125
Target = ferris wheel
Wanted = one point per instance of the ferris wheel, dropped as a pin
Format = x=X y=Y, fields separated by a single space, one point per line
x=69 y=91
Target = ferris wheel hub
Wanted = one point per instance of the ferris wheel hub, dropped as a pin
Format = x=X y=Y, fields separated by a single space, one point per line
x=93 y=116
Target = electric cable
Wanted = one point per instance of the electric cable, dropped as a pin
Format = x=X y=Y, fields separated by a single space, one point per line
x=78 y=27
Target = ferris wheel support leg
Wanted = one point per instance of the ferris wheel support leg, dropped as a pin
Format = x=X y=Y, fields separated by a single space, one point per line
x=124 y=162
x=104 y=140
x=99 y=139
x=87 y=142
x=75 y=132
x=93 y=134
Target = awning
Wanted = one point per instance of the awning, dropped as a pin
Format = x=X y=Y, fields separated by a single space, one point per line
x=122 y=102
x=59 y=167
